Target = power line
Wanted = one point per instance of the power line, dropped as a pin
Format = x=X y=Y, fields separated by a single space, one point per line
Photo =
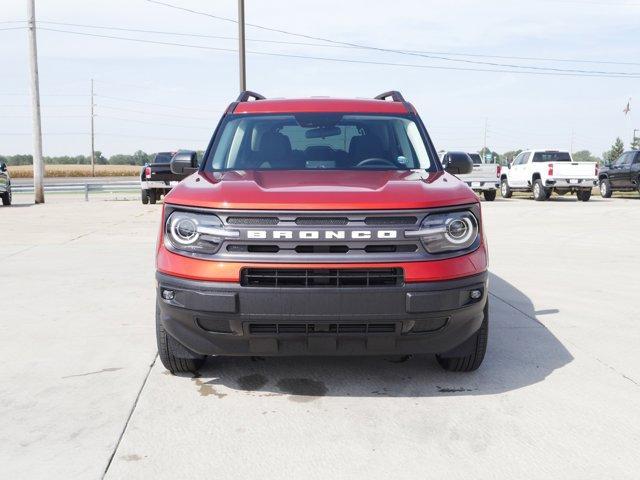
x=324 y=45
x=154 y=123
x=365 y=62
x=153 y=113
x=130 y=100
x=387 y=50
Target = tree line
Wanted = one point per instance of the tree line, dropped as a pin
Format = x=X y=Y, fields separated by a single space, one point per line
x=137 y=158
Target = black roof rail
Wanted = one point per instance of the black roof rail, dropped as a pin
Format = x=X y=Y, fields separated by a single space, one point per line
x=395 y=95
x=247 y=94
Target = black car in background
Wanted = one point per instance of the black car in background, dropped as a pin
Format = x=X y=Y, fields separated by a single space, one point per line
x=156 y=178
x=5 y=184
x=623 y=175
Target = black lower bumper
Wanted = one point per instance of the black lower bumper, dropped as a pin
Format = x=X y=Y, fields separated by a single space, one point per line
x=230 y=319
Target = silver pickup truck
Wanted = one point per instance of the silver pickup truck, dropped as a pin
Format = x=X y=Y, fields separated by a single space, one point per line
x=484 y=178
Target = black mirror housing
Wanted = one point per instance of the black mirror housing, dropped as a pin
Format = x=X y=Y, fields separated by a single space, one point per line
x=458 y=165
x=3 y=167
x=184 y=162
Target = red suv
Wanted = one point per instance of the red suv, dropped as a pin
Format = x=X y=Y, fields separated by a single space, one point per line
x=321 y=227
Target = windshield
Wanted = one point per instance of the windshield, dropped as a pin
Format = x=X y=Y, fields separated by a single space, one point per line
x=552 y=157
x=314 y=141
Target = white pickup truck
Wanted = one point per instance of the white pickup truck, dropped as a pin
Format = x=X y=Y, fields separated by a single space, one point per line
x=484 y=178
x=545 y=171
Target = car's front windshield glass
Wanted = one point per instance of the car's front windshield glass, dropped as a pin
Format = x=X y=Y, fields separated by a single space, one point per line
x=319 y=141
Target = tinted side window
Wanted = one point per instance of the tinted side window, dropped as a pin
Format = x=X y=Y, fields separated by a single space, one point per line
x=637 y=159
x=516 y=161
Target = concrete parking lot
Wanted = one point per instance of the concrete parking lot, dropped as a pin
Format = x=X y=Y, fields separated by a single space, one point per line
x=83 y=396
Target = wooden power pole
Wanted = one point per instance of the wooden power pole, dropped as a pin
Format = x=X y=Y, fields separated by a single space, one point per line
x=241 y=49
x=38 y=164
x=93 y=145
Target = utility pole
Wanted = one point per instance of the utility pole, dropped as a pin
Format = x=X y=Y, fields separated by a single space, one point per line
x=635 y=137
x=38 y=165
x=243 y=70
x=484 y=150
x=93 y=149
x=571 y=143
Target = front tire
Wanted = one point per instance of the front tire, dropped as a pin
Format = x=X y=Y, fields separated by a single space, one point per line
x=540 y=194
x=505 y=191
x=167 y=346
x=605 y=188
x=474 y=359
x=489 y=195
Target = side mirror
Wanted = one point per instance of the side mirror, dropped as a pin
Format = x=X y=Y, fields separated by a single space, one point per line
x=458 y=165
x=3 y=167
x=184 y=162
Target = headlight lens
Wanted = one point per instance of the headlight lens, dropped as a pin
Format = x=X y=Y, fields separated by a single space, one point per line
x=446 y=232
x=195 y=233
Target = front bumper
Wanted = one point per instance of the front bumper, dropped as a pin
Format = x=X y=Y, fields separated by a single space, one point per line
x=483 y=185
x=213 y=318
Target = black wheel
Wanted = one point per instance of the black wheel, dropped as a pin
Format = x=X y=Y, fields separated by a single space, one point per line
x=153 y=198
x=605 y=188
x=540 y=194
x=145 y=197
x=190 y=362
x=6 y=196
x=583 y=195
x=505 y=191
x=474 y=359
x=489 y=195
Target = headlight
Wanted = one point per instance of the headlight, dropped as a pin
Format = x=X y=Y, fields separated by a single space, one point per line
x=195 y=232
x=446 y=232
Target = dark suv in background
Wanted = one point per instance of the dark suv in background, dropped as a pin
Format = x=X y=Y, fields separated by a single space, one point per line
x=623 y=175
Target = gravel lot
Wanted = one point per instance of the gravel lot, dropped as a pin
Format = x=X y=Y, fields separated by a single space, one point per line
x=82 y=395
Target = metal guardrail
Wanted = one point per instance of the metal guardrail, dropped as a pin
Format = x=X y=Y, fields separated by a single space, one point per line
x=82 y=187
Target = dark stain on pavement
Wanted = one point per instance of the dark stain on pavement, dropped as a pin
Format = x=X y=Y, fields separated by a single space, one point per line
x=252 y=382
x=302 y=389
x=206 y=388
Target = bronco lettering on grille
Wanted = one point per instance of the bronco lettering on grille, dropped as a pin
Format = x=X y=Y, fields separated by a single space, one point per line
x=321 y=234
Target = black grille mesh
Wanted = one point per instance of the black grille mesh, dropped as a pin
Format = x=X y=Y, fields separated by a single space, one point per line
x=311 y=278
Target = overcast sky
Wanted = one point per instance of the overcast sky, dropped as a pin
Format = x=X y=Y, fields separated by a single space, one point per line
x=158 y=97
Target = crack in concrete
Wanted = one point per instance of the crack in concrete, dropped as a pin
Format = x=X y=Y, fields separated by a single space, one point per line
x=126 y=423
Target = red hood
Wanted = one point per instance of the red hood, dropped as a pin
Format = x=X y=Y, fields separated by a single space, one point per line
x=321 y=190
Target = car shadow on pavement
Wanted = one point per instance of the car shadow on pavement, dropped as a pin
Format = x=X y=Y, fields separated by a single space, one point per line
x=521 y=352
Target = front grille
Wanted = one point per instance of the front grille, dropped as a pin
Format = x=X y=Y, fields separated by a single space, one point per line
x=253 y=220
x=321 y=221
x=311 y=278
x=316 y=328
x=391 y=220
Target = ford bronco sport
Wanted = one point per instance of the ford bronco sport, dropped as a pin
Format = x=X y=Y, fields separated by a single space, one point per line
x=321 y=227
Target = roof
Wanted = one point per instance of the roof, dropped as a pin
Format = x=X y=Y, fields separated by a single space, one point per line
x=300 y=105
